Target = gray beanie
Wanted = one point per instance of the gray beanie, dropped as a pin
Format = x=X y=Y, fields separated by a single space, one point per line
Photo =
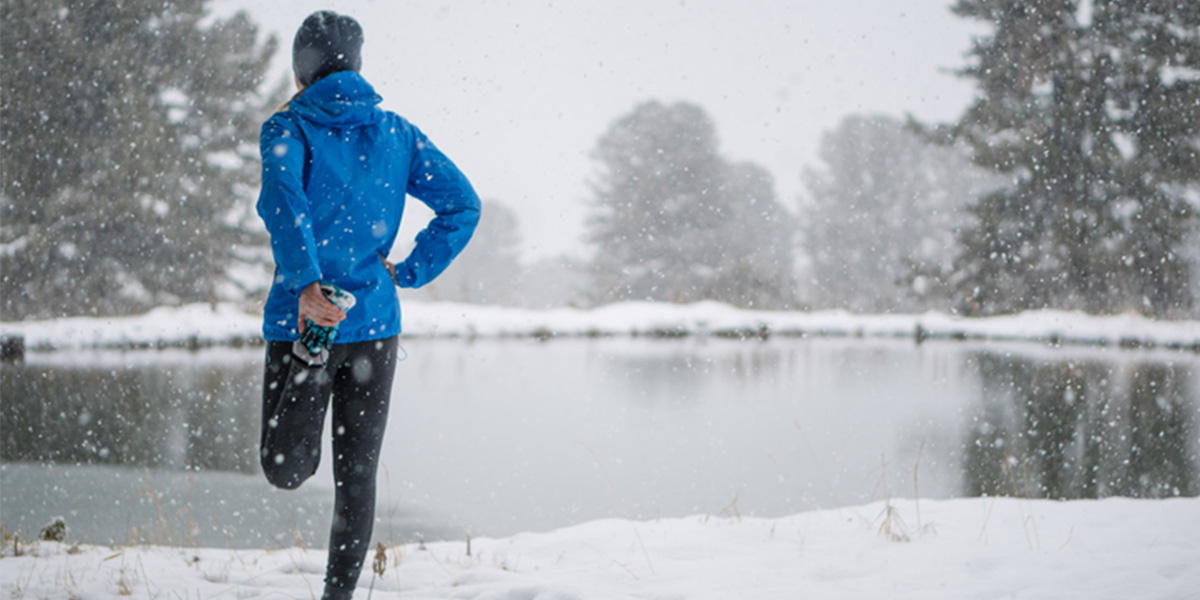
x=326 y=44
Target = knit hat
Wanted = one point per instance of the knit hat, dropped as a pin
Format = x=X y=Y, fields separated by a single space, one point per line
x=326 y=44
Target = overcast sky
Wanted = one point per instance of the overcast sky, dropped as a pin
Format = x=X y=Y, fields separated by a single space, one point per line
x=517 y=93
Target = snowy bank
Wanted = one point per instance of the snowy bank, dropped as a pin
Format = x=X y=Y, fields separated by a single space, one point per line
x=201 y=325
x=969 y=548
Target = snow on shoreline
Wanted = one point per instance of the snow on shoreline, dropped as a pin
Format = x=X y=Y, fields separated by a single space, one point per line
x=965 y=548
x=199 y=325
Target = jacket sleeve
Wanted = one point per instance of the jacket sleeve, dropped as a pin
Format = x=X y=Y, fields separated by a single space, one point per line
x=436 y=181
x=283 y=205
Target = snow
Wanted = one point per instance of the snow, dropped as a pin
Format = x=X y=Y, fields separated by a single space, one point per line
x=198 y=323
x=966 y=548
x=203 y=324
x=13 y=247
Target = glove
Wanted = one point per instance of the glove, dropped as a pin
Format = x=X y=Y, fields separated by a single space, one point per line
x=316 y=341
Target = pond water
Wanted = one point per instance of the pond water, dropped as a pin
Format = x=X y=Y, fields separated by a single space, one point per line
x=499 y=437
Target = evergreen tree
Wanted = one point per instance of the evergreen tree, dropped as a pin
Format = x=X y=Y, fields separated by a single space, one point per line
x=883 y=210
x=670 y=215
x=129 y=152
x=1093 y=109
x=757 y=243
x=655 y=194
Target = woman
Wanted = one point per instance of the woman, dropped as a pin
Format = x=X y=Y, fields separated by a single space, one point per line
x=336 y=171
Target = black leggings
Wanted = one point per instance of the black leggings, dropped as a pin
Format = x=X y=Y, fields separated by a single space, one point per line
x=358 y=376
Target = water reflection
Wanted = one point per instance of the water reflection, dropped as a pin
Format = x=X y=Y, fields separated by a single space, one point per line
x=156 y=447
x=500 y=437
x=1082 y=429
x=195 y=415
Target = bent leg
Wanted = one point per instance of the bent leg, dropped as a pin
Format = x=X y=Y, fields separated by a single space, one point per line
x=295 y=398
x=361 y=394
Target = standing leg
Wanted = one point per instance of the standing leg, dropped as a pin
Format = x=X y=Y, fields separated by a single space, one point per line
x=295 y=397
x=362 y=390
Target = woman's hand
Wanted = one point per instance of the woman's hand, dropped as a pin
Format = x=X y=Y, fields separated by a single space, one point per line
x=390 y=267
x=314 y=305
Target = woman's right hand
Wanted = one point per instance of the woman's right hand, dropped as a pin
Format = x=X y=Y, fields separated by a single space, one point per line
x=391 y=267
x=314 y=305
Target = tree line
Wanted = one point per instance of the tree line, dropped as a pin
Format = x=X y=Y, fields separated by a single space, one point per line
x=1071 y=181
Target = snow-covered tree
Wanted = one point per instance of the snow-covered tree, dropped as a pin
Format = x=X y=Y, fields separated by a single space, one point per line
x=672 y=219
x=129 y=150
x=881 y=215
x=1093 y=108
x=756 y=245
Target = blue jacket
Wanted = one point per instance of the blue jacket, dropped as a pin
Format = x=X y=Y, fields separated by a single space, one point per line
x=336 y=170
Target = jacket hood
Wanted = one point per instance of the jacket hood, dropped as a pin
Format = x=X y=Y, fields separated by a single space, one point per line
x=343 y=99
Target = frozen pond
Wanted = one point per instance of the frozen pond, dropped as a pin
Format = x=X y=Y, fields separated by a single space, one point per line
x=497 y=437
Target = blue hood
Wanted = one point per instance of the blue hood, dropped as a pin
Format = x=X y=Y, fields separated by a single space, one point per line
x=343 y=99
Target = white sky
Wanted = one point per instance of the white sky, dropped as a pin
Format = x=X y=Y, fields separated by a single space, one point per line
x=518 y=92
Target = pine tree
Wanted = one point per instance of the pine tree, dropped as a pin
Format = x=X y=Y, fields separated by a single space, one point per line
x=656 y=194
x=882 y=213
x=1093 y=110
x=757 y=243
x=129 y=152
x=669 y=215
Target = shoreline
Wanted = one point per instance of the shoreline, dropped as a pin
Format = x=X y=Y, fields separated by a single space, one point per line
x=199 y=326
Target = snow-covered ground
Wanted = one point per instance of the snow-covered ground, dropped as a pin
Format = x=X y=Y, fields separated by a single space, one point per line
x=201 y=324
x=953 y=549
